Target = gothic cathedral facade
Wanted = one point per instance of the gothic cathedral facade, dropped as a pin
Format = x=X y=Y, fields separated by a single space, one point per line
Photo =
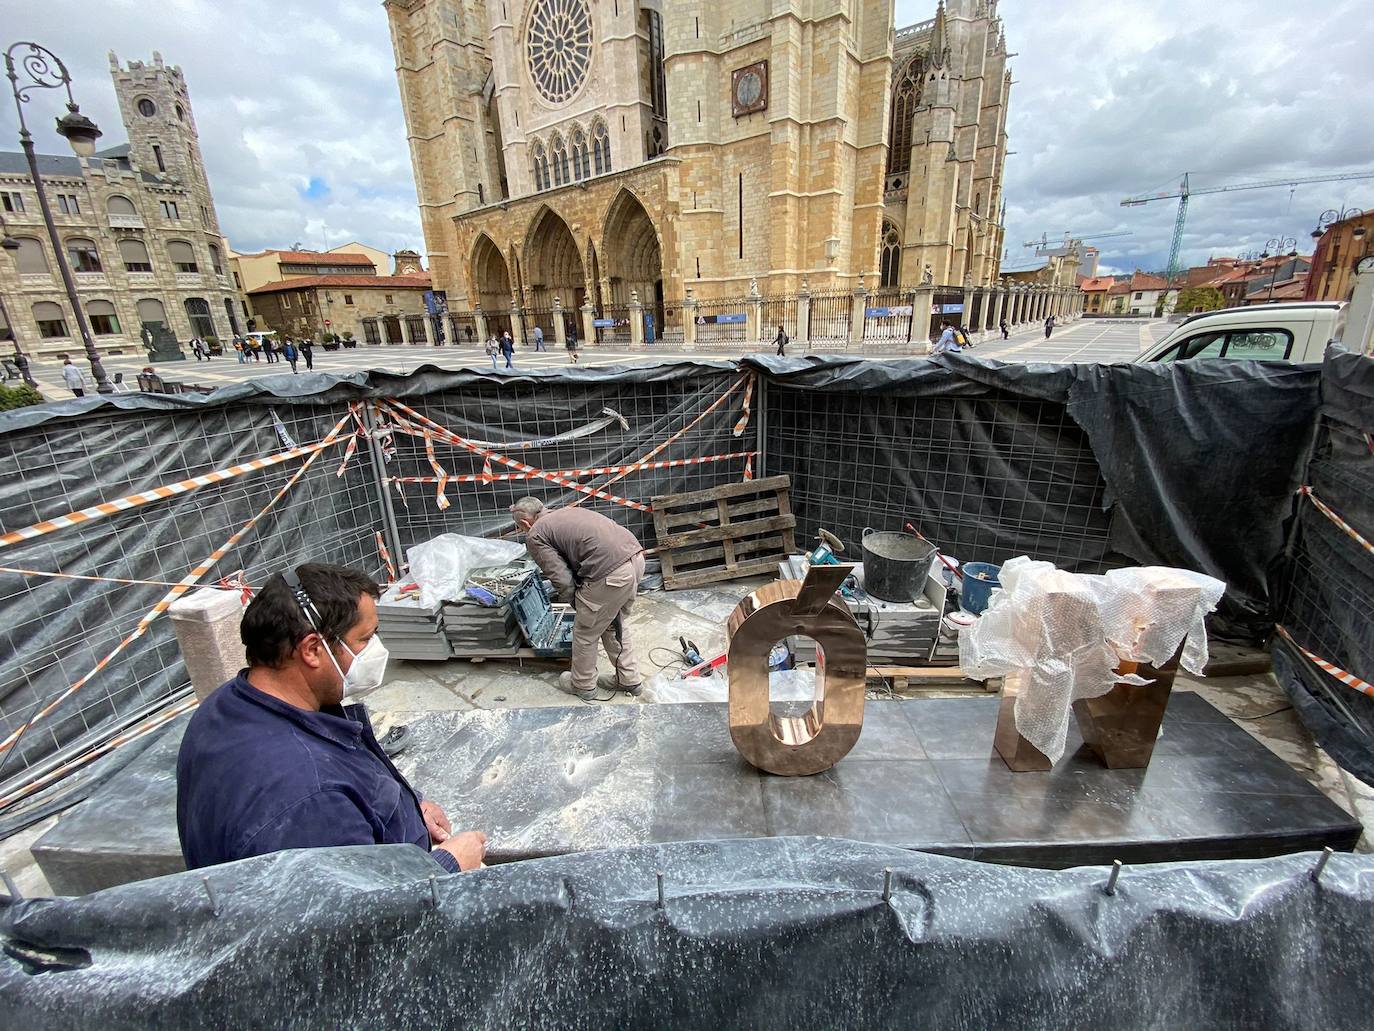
x=578 y=154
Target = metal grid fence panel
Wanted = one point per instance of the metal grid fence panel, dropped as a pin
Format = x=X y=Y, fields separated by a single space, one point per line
x=984 y=478
x=56 y=630
x=508 y=414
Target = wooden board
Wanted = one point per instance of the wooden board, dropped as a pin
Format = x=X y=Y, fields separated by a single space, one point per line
x=724 y=533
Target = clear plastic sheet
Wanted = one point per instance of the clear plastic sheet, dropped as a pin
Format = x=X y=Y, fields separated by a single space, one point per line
x=787 y=685
x=441 y=565
x=1061 y=636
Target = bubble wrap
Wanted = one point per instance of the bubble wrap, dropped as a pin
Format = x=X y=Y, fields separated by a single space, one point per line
x=1063 y=635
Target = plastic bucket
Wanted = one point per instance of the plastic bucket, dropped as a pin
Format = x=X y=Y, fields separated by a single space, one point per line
x=979 y=580
x=896 y=565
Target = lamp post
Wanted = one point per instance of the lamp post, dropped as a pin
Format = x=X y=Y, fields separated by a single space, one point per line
x=1277 y=246
x=1330 y=215
x=46 y=71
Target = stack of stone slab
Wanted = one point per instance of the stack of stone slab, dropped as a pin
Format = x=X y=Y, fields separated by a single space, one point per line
x=409 y=629
x=476 y=631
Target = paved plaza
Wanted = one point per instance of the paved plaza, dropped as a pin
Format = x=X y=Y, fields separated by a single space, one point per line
x=1088 y=340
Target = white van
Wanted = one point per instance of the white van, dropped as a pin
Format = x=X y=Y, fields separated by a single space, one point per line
x=1297 y=332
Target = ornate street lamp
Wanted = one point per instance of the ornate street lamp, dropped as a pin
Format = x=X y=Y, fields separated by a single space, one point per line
x=46 y=71
x=1278 y=245
x=1330 y=215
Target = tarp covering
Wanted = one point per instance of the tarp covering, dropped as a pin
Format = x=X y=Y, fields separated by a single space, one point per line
x=781 y=933
x=1195 y=462
x=1327 y=577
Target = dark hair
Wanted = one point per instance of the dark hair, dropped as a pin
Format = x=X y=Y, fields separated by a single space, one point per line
x=274 y=624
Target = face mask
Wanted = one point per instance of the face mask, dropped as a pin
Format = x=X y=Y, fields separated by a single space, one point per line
x=366 y=672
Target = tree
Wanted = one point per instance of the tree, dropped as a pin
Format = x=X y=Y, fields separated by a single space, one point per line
x=18 y=397
x=1199 y=298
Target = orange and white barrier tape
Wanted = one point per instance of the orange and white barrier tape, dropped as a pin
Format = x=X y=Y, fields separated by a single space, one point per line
x=123 y=738
x=678 y=435
x=348 y=454
x=749 y=469
x=489 y=477
x=401 y=412
x=171 y=490
x=1330 y=514
x=1346 y=678
x=440 y=474
x=386 y=558
x=186 y=583
x=748 y=400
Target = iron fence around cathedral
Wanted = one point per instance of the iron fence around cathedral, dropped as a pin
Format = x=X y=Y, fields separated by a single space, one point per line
x=612 y=324
x=723 y=320
x=888 y=314
x=462 y=329
x=830 y=321
x=537 y=318
x=779 y=311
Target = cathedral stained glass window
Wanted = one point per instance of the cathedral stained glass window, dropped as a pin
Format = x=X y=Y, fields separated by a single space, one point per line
x=559 y=47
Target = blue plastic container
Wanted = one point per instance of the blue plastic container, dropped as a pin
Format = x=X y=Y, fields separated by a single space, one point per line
x=979 y=580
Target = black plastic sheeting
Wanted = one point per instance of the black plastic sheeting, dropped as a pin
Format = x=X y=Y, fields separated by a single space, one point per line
x=1196 y=462
x=1327 y=597
x=1089 y=466
x=781 y=933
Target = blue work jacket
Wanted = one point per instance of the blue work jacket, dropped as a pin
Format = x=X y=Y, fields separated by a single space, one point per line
x=256 y=775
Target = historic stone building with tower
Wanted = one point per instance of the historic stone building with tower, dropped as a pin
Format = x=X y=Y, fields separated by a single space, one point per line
x=138 y=226
x=576 y=159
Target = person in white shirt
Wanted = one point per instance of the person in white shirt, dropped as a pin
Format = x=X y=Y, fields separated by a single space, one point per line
x=74 y=378
x=946 y=343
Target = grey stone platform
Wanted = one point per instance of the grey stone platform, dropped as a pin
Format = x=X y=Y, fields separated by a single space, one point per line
x=923 y=776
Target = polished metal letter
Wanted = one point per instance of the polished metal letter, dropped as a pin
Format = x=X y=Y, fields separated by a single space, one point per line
x=812 y=743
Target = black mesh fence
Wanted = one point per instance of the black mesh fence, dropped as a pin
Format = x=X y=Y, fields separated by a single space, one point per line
x=986 y=478
x=1326 y=580
x=57 y=630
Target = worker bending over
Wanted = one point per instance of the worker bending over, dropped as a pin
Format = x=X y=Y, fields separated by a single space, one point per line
x=274 y=760
x=596 y=564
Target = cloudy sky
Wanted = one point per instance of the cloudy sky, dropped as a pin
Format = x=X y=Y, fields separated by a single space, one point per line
x=301 y=124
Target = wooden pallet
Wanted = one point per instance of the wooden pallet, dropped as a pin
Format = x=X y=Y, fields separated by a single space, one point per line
x=724 y=533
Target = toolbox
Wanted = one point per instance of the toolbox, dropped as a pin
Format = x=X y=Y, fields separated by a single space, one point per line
x=547 y=628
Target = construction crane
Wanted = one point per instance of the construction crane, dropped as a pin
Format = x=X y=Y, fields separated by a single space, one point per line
x=1070 y=239
x=1186 y=191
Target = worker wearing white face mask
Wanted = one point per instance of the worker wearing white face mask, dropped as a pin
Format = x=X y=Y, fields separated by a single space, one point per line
x=275 y=759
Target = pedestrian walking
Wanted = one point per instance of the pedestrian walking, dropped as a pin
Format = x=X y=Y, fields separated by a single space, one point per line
x=1049 y=326
x=290 y=353
x=782 y=342
x=308 y=353
x=238 y=350
x=963 y=337
x=1003 y=327
x=493 y=348
x=539 y=340
x=508 y=349
x=197 y=349
x=74 y=378
x=571 y=344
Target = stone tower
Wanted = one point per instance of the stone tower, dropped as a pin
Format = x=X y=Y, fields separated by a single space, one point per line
x=948 y=144
x=155 y=106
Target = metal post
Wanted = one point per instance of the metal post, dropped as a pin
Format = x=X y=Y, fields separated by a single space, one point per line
x=1110 y=889
x=389 y=526
x=20 y=358
x=37 y=66
x=761 y=426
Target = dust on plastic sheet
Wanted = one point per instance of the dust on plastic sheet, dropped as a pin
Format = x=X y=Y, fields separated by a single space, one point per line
x=1061 y=636
x=441 y=565
x=787 y=685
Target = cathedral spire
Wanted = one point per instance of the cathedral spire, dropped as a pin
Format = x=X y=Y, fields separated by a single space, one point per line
x=939 y=42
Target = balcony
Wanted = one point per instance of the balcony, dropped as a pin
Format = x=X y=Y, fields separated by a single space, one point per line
x=191 y=279
x=142 y=278
x=126 y=222
x=86 y=280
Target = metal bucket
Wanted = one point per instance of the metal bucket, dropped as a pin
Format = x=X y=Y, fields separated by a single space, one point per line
x=896 y=564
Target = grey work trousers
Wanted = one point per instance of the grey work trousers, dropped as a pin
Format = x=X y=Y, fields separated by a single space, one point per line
x=601 y=608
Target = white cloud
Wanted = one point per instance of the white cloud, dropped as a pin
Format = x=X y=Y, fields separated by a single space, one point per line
x=1111 y=99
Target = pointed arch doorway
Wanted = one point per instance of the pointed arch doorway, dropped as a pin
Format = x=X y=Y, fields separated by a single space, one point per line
x=633 y=259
